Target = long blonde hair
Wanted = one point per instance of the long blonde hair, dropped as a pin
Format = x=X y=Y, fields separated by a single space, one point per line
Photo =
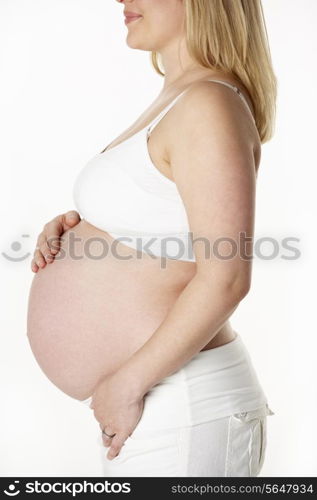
x=231 y=35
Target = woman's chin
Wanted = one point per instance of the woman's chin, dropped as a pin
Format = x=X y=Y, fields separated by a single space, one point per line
x=135 y=42
x=132 y=43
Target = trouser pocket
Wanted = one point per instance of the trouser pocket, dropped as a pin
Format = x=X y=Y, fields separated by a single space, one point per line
x=246 y=445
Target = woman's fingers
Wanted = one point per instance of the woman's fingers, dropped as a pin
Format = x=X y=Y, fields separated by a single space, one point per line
x=48 y=242
x=106 y=440
x=37 y=261
x=34 y=266
x=116 y=444
x=38 y=258
x=55 y=228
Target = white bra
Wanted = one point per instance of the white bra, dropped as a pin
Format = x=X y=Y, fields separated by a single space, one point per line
x=121 y=191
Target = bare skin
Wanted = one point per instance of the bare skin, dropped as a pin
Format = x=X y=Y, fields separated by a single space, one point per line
x=105 y=309
x=88 y=315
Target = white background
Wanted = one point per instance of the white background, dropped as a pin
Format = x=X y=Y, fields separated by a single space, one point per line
x=70 y=85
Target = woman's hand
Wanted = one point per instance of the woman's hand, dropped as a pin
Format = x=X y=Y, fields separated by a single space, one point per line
x=48 y=241
x=116 y=409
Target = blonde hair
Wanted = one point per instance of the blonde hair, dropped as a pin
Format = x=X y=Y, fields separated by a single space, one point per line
x=231 y=35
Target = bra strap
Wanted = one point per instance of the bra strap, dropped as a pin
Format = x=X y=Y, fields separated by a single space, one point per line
x=163 y=112
x=171 y=104
x=238 y=91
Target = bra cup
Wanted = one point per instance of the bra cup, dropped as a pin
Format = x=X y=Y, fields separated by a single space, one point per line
x=122 y=192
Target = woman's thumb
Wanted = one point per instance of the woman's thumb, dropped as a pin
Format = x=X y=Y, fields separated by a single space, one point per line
x=72 y=217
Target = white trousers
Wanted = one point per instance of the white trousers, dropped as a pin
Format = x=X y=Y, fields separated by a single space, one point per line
x=229 y=446
x=209 y=419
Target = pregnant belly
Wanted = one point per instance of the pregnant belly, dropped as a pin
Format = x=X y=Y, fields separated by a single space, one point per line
x=92 y=307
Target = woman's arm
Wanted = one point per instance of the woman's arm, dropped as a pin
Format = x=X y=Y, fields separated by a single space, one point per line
x=199 y=312
x=211 y=152
x=212 y=160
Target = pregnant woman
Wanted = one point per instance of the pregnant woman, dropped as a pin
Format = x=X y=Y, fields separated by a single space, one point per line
x=130 y=305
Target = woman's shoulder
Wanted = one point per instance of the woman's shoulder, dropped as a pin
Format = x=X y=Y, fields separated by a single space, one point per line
x=215 y=104
x=216 y=107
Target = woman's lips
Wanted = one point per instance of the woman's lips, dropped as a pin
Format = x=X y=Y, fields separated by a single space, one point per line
x=130 y=18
